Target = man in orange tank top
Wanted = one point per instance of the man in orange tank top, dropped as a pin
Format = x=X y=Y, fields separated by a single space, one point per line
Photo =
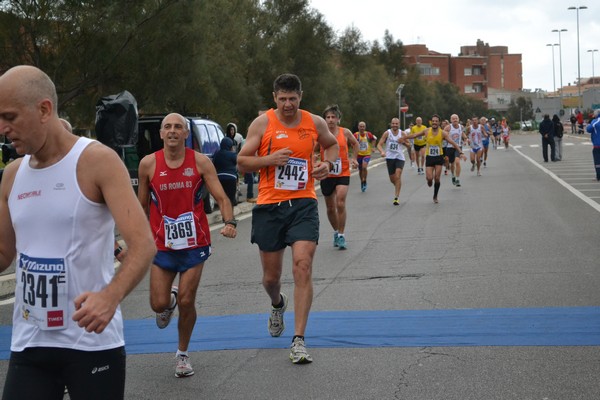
x=280 y=143
x=335 y=186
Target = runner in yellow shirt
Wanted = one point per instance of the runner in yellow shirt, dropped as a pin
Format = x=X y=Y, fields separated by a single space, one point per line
x=366 y=143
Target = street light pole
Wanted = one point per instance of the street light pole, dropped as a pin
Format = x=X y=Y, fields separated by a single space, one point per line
x=399 y=93
x=578 y=57
x=560 y=59
x=593 y=73
x=553 y=70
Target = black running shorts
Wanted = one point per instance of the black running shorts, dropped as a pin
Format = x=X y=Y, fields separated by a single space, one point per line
x=38 y=373
x=277 y=225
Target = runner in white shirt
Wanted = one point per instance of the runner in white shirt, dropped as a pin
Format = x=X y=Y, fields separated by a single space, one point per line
x=456 y=132
x=475 y=134
x=394 y=155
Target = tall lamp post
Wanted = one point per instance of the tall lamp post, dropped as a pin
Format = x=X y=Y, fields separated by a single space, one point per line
x=560 y=59
x=399 y=93
x=593 y=73
x=553 y=70
x=578 y=58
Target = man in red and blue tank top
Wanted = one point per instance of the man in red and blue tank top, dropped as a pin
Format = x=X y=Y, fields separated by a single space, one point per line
x=170 y=185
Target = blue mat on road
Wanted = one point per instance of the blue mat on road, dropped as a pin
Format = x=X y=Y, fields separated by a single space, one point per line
x=562 y=326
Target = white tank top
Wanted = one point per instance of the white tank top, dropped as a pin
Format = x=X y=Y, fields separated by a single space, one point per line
x=64 y=247
x=456 y=134
x=475 y=136
x=393 y=149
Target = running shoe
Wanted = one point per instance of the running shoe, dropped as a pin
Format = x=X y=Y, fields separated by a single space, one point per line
x=163 y=318
x=342 y=243
x=453 y=180
x=484 y=164
x=298 y=353
x=183 y=367
x=445 y=172
x=276 y=325
x=457 y=183
x=396 y=202
x=364 y=187
x=472 y=167
x=335 y=239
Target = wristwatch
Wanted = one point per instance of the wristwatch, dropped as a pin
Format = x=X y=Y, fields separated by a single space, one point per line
x=118 y=251
x=232 y=222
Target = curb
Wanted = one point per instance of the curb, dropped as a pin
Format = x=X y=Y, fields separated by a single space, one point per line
x=8 y=281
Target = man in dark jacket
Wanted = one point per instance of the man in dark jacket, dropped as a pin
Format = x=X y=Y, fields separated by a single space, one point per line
x=547 y=132
x=225 y=160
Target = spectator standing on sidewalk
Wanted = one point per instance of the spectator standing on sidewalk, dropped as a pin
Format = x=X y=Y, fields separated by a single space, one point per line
x=594 y=129
x=573 y=120
x=558 y=135
x=579 y=122
x=233 y=134
x=547 y=131
x=225 y=161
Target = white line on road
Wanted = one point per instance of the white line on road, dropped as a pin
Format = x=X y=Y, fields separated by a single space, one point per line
x=576 y=192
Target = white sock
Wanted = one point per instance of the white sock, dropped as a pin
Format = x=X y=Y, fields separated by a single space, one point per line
x=181 y=353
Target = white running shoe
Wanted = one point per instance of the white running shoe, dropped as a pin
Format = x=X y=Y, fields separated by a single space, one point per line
x=276 y=325
x=183 y=367
x=163 y=318
x=298 y=353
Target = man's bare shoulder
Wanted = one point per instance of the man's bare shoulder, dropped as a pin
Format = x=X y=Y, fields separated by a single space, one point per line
x=99 y=154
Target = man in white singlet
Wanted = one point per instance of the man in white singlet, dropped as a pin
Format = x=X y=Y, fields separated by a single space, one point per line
x=66 y=320
x=394 y=155
x=456 y=132
x=475 y=135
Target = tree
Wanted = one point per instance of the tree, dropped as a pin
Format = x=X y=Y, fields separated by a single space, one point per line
x=520 y=109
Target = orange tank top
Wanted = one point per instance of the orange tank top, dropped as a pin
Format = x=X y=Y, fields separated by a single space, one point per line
x=293 y=180
x=342 y=164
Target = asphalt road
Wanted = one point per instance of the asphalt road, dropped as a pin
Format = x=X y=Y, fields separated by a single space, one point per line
x=523 y=237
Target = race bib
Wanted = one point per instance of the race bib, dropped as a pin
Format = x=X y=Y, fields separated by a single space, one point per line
x=393 y=146
x=337 y=167
x=180 y=233
x=434 y=151
x=293 y=175
x=42 y=283
x=363 y=146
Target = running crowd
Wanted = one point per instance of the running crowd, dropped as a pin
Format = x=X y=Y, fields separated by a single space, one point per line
x=67 y=319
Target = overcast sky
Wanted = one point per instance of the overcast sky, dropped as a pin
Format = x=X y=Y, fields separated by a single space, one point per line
x=525 y=26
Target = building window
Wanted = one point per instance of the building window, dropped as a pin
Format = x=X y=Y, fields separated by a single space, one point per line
x=469 y=89
x=468 y=72
x=477 y=88
x=477 y=71
x=428 y=70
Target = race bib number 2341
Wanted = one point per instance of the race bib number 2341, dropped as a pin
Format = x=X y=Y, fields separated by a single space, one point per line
x=42 y=283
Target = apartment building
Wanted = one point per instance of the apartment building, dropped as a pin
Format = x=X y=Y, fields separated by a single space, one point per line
x=475 y=70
